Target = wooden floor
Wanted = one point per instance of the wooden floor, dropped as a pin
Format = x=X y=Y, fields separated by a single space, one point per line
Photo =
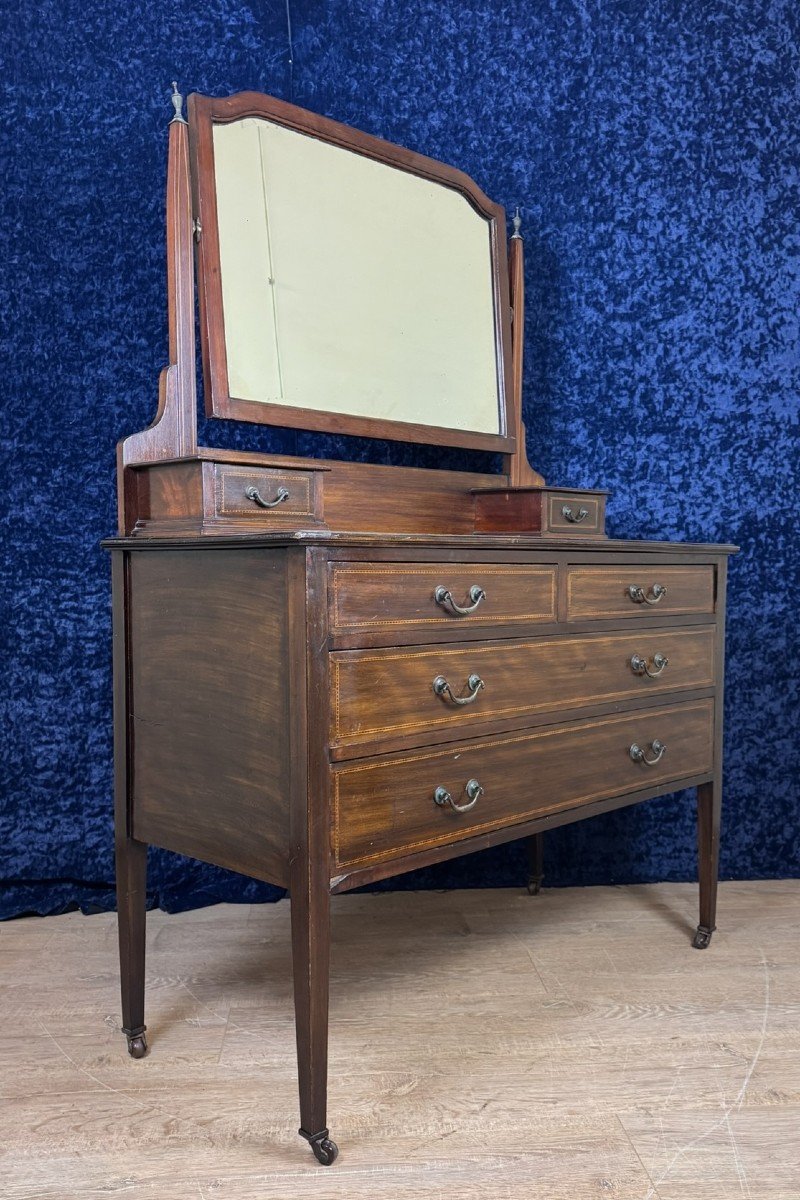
x=484 y=1044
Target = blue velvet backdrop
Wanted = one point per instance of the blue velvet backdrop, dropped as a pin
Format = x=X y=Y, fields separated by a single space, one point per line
x=653 y=147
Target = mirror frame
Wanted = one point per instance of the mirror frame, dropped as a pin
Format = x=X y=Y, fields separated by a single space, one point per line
x=207 y=111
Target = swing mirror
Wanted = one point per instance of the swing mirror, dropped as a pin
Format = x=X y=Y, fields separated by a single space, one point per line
x=346 y=284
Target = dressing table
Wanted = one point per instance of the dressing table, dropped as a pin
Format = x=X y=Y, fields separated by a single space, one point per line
x=331 y=672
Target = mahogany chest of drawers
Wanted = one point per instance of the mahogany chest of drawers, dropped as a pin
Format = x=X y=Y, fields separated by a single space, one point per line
x=322 y=711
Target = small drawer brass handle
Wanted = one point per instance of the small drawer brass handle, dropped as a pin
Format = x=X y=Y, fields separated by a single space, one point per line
x=574 y=518
x=444 y=598
x=639 y=596
x=640 y=666
x=252 y=493
x=443 y=798
x=639 y=756
x=443 y=689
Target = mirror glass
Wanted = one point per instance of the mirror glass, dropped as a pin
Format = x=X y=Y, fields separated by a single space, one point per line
x=351 y=286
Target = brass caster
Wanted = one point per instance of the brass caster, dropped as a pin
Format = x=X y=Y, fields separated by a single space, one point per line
x=325 y=1149
x=137 y=1043
x=702 y=939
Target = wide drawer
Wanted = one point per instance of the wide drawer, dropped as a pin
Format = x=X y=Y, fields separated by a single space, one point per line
x=389 y=809
x=638 y=591
x=397 y=596
x=383 y=693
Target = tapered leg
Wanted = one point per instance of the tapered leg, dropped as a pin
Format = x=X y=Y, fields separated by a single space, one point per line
x=311 y=967
x=131 y=910
x=535 y=845
x=709 y=804
x=131 y=854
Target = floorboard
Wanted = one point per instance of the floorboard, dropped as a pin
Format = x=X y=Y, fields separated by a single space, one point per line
x=484 y=1044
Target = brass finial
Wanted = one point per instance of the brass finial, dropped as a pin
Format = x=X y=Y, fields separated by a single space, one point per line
x=177 y=104
x=517 y=223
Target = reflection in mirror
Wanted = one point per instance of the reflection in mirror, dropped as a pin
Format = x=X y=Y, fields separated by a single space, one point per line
x=351 y=286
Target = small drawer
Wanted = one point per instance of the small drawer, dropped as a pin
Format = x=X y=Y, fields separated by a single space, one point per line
x=418 y=694
x=392 y=808
x=401 y=596
x=550 y=512
x=638 y=591
x=575 y=513
x=270 y=496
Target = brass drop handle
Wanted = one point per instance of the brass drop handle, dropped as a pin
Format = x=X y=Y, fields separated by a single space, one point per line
x=443 y=798
x=640 y=666
x=444 y=598
x=442 y=688
x=252 y=493
x=574 y=518
x=639 y=756
x=639 y=596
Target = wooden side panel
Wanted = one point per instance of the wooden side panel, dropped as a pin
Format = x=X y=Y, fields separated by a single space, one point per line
x=169 y=493
x=385 y=809
x=210 y=699
x=508 y=511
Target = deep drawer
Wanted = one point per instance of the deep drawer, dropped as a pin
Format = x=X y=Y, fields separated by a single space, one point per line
x=384 y=693
x=388 y=809
x=401 y=596
x=636 y=592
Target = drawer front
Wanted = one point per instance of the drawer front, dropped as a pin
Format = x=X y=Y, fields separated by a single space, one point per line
x=646 y=591
x=267 y=495
x=389 y=809
x=382 y=693
x=394 y=596
x=575 y=513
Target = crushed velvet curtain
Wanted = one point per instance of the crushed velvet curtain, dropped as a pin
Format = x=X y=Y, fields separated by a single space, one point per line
x=653 y=149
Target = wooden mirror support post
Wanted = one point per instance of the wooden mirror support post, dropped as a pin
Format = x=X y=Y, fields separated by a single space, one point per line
x=525 y=502
x=173 y=433
x=327 y=673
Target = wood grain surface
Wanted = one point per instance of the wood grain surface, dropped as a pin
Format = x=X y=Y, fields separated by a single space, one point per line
x=484 y=1044
x=377 y=693
x=401 y=597
x=209 y=665
x=384 y=807
x=603 y=591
